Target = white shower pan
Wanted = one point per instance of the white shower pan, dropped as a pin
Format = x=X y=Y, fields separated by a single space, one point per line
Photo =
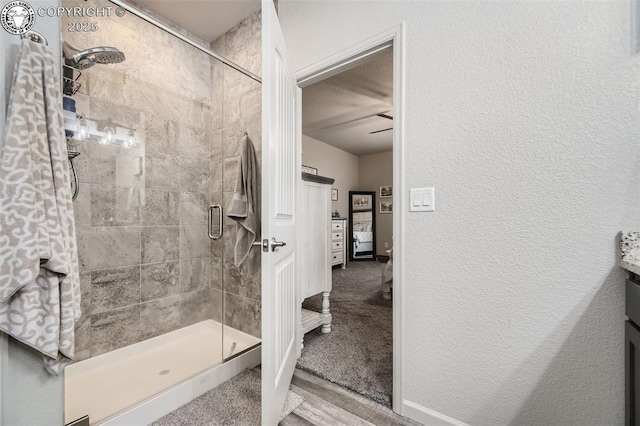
x=140 y=383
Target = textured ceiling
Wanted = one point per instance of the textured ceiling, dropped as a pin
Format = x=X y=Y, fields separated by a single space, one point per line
x=341 y=110
x=208 y=19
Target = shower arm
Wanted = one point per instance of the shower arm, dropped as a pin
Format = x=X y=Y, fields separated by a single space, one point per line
x=67 y=47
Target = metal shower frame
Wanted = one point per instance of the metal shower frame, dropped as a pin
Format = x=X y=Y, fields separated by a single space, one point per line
x=156 y=22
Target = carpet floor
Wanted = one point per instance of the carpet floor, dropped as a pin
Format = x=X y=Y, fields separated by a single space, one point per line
x=358 y=353
x=234 y=403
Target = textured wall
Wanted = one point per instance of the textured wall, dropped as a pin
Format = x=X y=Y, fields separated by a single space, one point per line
x=334 y=163
x=241 y=112
x=524 y=116
x=146 y=262
x=22 y=377
x=375 y=171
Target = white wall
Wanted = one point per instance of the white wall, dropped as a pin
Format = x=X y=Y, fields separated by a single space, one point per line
x=30 y=396
x=524 y=116
x=334 y=163
x=375 y=171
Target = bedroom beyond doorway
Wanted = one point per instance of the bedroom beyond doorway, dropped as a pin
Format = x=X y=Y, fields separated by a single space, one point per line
x=347 y=136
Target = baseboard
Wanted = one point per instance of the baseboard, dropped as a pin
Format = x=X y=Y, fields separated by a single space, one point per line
x=428 y=417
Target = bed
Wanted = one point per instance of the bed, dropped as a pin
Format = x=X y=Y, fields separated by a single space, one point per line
x=362 y=243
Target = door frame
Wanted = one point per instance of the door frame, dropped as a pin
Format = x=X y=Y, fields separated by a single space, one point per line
x=343 y=61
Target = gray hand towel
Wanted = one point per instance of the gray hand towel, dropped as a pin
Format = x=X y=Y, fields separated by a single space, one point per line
x=245 y=205
x=39 y=281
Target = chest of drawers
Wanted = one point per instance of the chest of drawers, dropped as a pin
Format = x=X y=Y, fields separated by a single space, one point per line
x=339 y=242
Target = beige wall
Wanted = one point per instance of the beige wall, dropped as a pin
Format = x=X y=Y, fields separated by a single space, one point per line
x=375 y=171
x=353 y=173
x=334 y=163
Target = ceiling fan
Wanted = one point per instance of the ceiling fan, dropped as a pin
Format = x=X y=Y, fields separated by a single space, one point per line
x=388 y=117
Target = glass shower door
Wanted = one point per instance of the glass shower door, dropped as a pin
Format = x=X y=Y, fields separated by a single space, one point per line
x=242 y=103
x=150 y=165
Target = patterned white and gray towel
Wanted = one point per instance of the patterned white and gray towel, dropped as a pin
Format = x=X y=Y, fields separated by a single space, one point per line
x=39 y=280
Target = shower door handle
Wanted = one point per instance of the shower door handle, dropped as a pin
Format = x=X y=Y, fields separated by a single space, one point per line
x=210 y=221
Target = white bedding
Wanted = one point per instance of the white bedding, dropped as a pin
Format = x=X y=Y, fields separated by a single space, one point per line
x=362 y=242
x=362 y=237
x=363 y=248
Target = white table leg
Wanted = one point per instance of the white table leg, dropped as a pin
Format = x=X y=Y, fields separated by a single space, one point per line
x=326 y=314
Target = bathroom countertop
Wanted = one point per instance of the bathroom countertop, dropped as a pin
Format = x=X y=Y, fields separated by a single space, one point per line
x=630 y=251
x=630 y=265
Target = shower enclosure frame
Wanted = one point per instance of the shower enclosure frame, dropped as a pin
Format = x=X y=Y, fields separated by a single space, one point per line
x=170 y=399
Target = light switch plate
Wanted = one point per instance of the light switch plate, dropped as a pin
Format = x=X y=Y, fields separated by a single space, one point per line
x=422 y=200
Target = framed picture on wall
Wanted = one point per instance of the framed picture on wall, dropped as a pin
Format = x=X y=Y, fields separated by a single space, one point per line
x=334 y=195
x=362 y=201
x=386 y=191
x=309 y=170
x=386 y=207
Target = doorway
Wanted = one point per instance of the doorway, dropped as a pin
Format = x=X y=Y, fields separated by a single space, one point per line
x=389 y=205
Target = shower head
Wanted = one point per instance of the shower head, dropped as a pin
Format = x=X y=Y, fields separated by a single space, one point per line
x=83 y=59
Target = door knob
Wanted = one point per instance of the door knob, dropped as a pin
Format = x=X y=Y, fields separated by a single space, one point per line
x=275 y=244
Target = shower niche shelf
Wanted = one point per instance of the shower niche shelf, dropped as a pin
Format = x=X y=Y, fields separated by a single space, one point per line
x=70 y=77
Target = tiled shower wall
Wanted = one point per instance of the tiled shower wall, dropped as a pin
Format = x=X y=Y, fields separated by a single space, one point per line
x=147 y=265
x=242 y=113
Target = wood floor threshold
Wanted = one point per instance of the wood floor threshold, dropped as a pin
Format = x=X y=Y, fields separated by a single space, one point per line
x=295 y=420
x=329 y=404
x=322 y=413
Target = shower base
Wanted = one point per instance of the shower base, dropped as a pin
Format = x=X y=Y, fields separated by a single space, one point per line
x=140 y=383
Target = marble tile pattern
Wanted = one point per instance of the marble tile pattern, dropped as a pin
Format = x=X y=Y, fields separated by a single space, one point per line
x=114 y=288
x=114 y=329
x=160 y=316
x=159 y=280
x=147 y=265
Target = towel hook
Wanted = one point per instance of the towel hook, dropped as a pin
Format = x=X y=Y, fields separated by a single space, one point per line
x=35 y=37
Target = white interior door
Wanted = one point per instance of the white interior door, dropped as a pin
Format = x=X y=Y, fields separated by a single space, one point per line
x=281 y=174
